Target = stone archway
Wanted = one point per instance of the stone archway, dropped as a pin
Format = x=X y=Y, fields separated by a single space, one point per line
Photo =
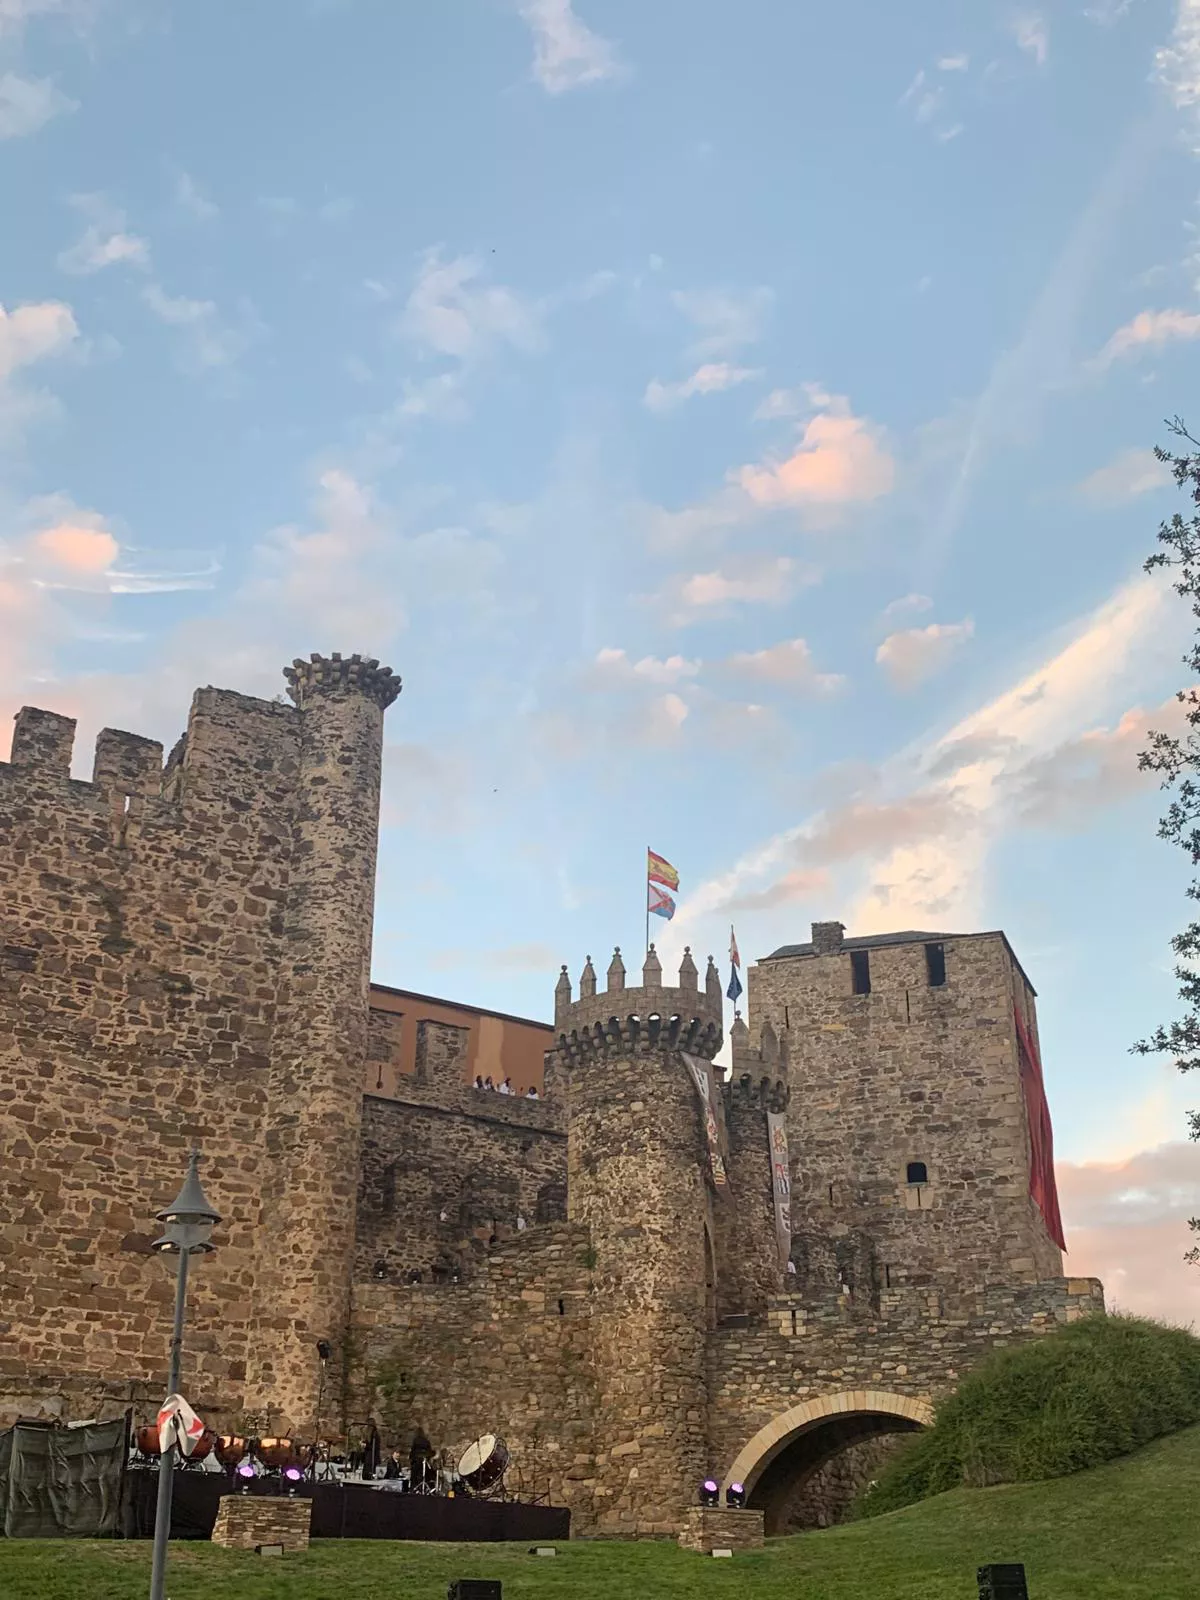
x=804 y=1466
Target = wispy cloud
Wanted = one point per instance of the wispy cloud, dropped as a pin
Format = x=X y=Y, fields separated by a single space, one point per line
x=453 y=311
x=192 y=201
x=1129 y=474
x=911 y=840
x=1030 y=33
x=786 y=665
x=711 y=378
x=766 y=580
x=613 y=668
x=105 y=241
x=907 y=604
x=1150 y=330
x=72 y=548
x=914 y=655
x=28 y=104
x=566 y=53
x=726 y=320
x=1127 y=1224
x=208 y=341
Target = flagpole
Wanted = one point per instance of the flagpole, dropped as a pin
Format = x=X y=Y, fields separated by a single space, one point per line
x=646 y=893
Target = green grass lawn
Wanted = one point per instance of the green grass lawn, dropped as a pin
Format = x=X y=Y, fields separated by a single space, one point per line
x=1129 y=1530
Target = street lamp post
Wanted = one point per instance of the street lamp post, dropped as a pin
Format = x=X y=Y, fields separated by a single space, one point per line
x=187 y=1225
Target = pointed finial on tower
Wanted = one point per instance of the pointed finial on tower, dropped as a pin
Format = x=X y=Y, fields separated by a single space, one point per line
x=712 y=983
x=739 y=1034
x=562 y=993
x=770 y=1043
x=689 y=978
x=587 y=980
x=652 y=970
x=616 y=971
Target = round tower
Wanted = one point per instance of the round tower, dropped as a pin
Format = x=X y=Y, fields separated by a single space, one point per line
x=637 y=1166
x=314 y=1108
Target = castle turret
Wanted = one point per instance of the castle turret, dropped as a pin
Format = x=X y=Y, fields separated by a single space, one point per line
x=314 y=1101
x=637 y=1161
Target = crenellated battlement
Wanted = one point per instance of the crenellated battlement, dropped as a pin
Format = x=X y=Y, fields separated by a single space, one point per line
x=651 y=1016
x=333 y=674
x=745 y=1091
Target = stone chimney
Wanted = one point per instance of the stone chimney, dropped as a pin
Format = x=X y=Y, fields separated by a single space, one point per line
x=827 y=938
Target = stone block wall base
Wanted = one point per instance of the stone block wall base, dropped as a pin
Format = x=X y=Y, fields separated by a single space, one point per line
x=245 y=1521
x=709 y=1528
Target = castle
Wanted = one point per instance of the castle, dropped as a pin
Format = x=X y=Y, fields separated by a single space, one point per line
x=652 y=1273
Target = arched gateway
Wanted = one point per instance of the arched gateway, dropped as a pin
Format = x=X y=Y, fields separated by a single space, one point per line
x=784 y=1466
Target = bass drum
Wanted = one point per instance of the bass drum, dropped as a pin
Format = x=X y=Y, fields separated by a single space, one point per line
x=280 y=1454
x=483 y=1463
x=230 y=1448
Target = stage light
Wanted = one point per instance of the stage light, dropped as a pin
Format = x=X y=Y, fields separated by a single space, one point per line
x=246 y=1469
x=324 y=1349
x=293 y=1474
x=710 y=1492
x=735 y=1495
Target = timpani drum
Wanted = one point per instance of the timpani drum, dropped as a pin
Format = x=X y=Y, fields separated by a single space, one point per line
x=483 y=1463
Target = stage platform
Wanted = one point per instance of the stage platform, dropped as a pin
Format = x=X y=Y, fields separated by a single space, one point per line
x=347 y=1511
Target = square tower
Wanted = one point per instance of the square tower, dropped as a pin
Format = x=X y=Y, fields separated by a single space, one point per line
x=920 y=1135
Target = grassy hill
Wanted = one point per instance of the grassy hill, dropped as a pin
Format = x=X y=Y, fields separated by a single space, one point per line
x=1128 y=1530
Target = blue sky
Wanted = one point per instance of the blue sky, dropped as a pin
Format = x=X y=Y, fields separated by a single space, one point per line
x=733 y=422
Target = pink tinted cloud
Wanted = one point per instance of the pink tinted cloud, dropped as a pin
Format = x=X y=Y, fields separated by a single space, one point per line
x=77 y=549
x=840 y=460
x=1127 y=1225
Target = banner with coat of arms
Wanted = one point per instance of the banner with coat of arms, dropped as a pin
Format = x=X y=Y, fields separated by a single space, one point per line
x=702 y=1077
x=781 y=1183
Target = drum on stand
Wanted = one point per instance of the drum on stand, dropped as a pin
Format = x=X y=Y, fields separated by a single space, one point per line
x=484 y=1463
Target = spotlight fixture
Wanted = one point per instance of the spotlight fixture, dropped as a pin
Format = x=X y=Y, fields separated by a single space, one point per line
x=735 y=1496
x=710 y=1492
x=246 y=1473
x=324 y=1349
x=293 y=1474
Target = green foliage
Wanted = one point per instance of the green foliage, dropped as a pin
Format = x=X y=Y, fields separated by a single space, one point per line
x=1177 y=761
x=1125 y=1531
x=1085 y=1394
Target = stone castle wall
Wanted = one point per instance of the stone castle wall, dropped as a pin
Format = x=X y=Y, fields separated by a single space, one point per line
x=910 y=1073
x=184 y=956
x=446 y=1168
x=913 y=1342
x=508 y=1352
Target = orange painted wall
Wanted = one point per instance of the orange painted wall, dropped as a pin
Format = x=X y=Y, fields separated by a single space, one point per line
x=499 y=1047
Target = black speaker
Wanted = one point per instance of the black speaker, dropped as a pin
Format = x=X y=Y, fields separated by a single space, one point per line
x=1003 y=1582
x=474 y=1589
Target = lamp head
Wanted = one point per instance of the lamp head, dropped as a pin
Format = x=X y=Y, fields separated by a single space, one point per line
x=190 y=1218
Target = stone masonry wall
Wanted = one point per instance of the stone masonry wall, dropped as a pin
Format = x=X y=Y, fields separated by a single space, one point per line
x=161 y=937
x=507 y=1352
x=910 y=1073
x=918 y=1343
x=445 y=1168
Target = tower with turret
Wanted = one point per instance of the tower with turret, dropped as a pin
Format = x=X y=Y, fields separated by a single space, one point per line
x=314 y=1099
x=642 y=1166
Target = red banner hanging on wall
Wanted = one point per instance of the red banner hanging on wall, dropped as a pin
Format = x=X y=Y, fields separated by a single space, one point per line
x=1042 y=1185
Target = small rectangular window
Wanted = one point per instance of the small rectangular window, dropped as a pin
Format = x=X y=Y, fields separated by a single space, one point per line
x=860 y=967
x=935 y=965
x=917 y=1172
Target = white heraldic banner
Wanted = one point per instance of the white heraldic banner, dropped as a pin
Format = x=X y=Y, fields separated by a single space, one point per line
x=781 y=1183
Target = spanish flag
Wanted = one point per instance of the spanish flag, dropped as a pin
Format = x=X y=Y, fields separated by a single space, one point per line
x=660 y=870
